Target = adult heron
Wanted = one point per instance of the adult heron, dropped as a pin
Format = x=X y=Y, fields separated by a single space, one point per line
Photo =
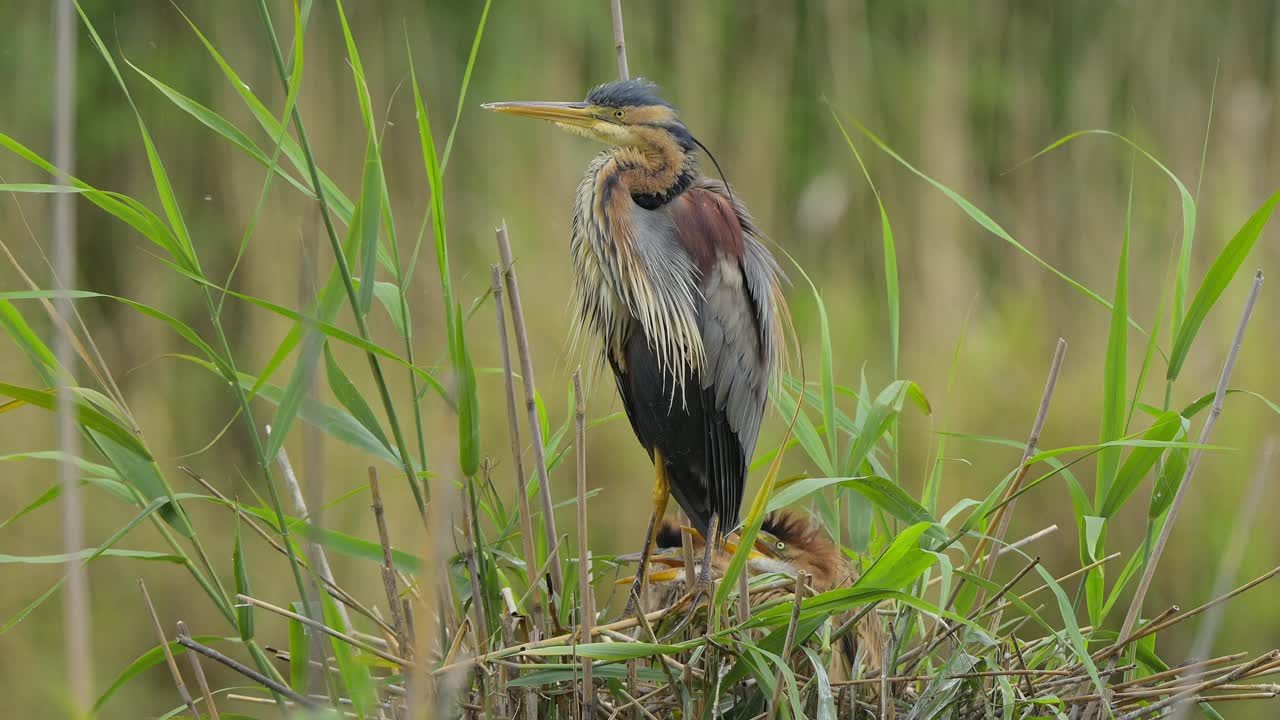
x=675 y=282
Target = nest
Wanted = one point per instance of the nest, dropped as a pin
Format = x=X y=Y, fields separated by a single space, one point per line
x=990 y=665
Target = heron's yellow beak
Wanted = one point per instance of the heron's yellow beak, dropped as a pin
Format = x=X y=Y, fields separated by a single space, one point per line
x=578 y=114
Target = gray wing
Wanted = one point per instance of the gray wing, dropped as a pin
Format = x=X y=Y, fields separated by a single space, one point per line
x=700 y=256
x=739 y=284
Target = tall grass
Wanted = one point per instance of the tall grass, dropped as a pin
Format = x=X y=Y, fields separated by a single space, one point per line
x=510 y=623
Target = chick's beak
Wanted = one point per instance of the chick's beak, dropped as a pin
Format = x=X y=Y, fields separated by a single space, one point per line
x=757 y=550
x=568 y=113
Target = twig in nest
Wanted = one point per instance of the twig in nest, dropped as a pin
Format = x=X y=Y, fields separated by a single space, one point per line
x=1196 y=690
x=1181 y=671
x=668 y=663
x=1026 y=678
x=973 y=614
x=1163 y=623
x=1074 y=573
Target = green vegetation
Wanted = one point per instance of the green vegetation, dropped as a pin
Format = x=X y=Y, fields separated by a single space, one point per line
x=440 y=594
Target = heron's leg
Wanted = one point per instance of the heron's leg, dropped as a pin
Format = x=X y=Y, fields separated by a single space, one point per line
x=661 y=493
x=713 y=540
x=702 y=588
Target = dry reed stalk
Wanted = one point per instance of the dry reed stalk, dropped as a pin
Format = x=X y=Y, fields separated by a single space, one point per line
x=586 y=608
x=77 y=638
x=431 y=617
x=479 y=606
x=1073 y=574
x=1022 y=662
x=885 y=705
x=517 y=458
x=619 y=40
x=1162 y=622
x=1004 y=549
x=406 y=612
x=456 y=645
x=198 y=671
x=531 y=405
x=624 y=624
x=633 y=679
x=958 y=676
x=319 y=560
x=1269 y=669
x=634 y=703
x=445 y=615
x=388 y=566
x=510 y=617
x=1185 y=695
x=507 y=619
x=168 y=654
x=1154 y=625
x=1182 y=671
x=335 y=591
x=1129 y=697
x=1231 y=697
x=686 y=551
x=191 y=644
x=1230 y=564
x=1148 y=573
x=1102 y=654
x=1004 y=514
x=479 y=600
x=350 y=640
x=1074 y=678
x=974 y=613
x=788 y=643
x=254 y=700
x=998 y=519
x=668 y=663
x=744 y=596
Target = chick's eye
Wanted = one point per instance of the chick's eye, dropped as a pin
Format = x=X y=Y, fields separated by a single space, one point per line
x=618 y=114
x=780 y=545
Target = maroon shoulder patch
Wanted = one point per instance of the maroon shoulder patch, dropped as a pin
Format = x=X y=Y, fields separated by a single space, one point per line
x=707 y=226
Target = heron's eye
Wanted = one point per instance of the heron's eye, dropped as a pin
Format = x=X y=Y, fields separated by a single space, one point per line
x=780 y=546
x=618 y=114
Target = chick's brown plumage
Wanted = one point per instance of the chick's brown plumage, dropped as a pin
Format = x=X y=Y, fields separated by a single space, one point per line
x=791 y=544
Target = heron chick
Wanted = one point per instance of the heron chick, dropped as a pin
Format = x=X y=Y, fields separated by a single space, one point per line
x=787 y=544
x=674 y=281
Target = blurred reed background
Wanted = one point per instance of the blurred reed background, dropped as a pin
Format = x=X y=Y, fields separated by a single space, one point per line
x=965 y=91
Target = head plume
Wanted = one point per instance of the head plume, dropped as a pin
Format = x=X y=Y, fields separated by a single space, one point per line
x=636 y=92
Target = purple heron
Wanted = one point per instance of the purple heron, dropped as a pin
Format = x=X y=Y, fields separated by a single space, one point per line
x=674 y=281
